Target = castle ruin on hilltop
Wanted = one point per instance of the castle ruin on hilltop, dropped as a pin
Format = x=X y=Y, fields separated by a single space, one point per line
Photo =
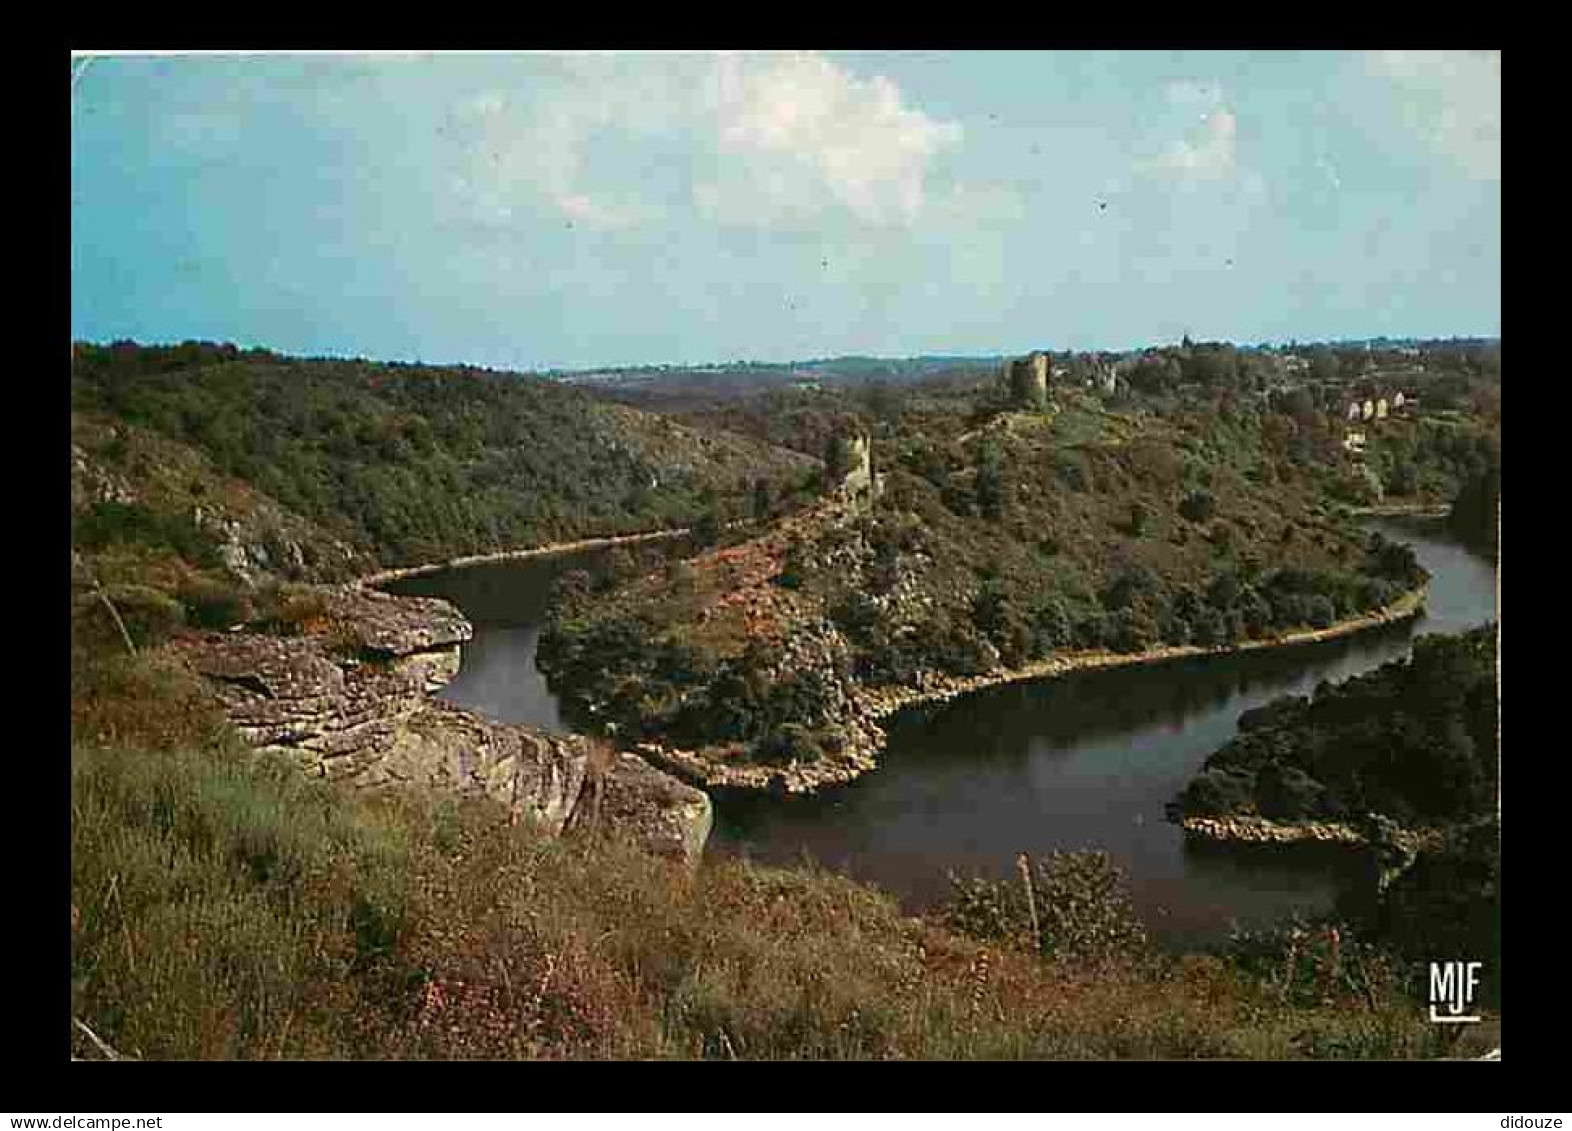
x=859 y=485
x=1026 y=378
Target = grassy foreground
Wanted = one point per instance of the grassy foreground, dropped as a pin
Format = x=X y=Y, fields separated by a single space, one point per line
x=225 y=907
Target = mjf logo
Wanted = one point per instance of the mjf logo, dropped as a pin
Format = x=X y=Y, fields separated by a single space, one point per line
x=1452 y=986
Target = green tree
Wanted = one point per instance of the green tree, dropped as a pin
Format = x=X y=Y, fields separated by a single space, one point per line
x=707 y=530
x=990 y=490
x=1198 y=506
x=837 y=458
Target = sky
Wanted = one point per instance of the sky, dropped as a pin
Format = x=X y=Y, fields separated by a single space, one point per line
x=575 y=210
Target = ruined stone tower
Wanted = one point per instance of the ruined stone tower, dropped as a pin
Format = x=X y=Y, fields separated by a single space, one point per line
x=1027 y=380
x=859 y=485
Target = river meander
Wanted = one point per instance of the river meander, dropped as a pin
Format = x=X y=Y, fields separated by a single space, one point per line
x=1085 y=760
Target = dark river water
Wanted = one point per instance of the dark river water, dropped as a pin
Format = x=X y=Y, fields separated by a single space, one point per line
x=1084 y=761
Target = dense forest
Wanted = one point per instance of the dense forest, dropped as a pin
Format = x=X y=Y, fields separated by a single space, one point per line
x=1415 y=741
x=413 y=463
x=1475 y=516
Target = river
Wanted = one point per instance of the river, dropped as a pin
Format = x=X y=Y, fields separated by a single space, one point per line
x=1084 y=761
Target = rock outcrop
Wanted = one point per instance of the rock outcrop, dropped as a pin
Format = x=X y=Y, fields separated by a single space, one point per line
x=660 y=812
x=353 y=702
x=334 y=700
x=539 y=777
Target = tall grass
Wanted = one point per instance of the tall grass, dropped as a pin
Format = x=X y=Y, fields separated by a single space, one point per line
x=221 y=907
x=225 y=907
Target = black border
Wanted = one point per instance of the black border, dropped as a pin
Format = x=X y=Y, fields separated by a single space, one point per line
x=39 y=934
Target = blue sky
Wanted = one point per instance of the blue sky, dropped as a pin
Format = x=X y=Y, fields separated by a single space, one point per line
x=575 y=210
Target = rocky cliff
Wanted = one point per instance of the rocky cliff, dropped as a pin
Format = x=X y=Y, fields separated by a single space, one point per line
x=351 y=700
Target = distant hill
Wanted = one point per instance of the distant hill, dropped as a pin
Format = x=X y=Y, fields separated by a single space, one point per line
x=695 y=391
x=411 y=463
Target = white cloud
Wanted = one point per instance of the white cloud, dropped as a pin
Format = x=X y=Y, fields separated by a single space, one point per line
x=525 y=152
x=797 y=132
x=1452 y=100
x=756 y=140
x=1206 y=151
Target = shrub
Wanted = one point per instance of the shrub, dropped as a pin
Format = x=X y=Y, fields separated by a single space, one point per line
x=1051 y=628
x=1070 y=469
x=999 y=619
x=214 y=604
x=1216 y=792
x=1198 y=506
x=986 y=909
x=1255 y=612
x=1133 y=630
x=1305 y=964
x=1139 y=519
x=1287 y=793
x=859 y=617
x=1174 y=628
x=1133 y=583
x=707 y=529
x=1392 y=561
x=570 y=593
x=990 y=491
x=959 y=650
x=150 y=615
x=1223 y=593
x=288 y=611
x=108 y=523
x=1209 y=629
x=794 y=568
x=789 y=742
x=1093 y=629
x=1083 y=908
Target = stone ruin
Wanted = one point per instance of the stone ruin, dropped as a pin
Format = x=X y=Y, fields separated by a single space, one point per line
x=849 y=471
x=1026 y=378
x=860 y=485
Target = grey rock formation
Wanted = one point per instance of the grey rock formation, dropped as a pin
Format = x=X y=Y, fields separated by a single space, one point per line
x=353 y=703
x=335 y=701
x=91 y=482
x=397 y=626
x=665 y=815
x=540 y=777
